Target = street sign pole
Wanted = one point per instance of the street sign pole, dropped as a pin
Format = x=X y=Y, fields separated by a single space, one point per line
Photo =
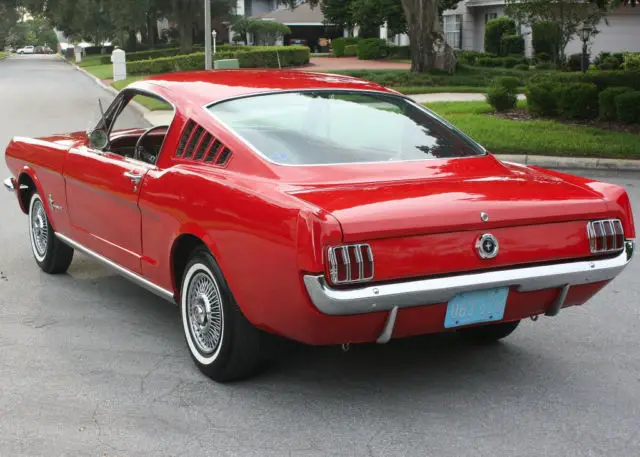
x=207 y=34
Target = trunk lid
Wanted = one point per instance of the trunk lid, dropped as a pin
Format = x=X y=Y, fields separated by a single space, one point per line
x=510 y=196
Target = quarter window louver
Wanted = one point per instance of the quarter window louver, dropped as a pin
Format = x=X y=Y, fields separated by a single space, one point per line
x=224 y=157
x=185 y=137
x=193 y=142
x=204 y=145
x=213 y=151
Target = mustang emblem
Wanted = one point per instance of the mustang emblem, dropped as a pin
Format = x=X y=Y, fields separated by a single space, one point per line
x=487 y=246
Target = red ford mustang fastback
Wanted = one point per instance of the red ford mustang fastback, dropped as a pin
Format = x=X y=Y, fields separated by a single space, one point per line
x=320 y=208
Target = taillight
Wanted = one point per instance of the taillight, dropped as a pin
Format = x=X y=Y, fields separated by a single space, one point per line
x=605 y=236
x=350 y=263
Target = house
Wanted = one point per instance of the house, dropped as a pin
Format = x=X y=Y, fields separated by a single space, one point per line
x=464 y=28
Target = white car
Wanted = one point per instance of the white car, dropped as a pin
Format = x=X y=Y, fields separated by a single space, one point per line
x=26 y=50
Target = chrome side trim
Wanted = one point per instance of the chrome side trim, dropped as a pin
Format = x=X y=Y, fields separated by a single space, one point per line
x=167 y=295
x=385 y=297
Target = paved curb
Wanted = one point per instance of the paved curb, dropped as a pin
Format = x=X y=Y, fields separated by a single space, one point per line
x=575 y=163
x=581 y=163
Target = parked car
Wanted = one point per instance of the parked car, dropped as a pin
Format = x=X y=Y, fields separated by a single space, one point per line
x=298 y=42
x=320 y=208
x=26 y=50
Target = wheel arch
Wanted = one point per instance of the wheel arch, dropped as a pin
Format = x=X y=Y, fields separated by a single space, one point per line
x=183 y=245
x=29 y=178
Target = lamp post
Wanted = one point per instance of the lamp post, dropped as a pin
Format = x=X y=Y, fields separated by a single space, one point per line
x=585 y=35
x=213 y=34
x=207 y=35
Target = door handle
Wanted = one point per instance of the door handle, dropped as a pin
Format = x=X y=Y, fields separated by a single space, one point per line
x=134 y=177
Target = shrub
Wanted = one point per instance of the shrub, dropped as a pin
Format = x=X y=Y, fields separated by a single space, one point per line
x=541 y=98
x=494 y=31
x=628 y=107
x=574 y=63
x=545 y=39
x=512 y=44
x=542 y=57
x=337 y=47
x=351 y=50
x=510 y=62
x=609 y=63
x=631 y=61
x=372 y=48
x=468 y=57
x=501 y=98
x=398 y=52
x=545 y=66
x=521 y=67
x=607 y=102
x=249 y=57
x=511 y=83
x=602 y=79
x=577 y=100
x=351 y=40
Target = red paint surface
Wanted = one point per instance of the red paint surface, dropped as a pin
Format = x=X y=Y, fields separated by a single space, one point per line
x=268 y=225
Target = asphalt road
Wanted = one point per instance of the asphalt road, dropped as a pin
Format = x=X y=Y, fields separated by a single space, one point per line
x=91 y=365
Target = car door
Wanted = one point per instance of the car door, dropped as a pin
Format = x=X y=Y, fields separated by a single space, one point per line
x=102 y=196
x=103 y=188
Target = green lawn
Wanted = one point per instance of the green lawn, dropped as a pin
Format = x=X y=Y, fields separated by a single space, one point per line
x=543 y=137
x=119 y=85
x=101 y=71
x=409 y=90
x=90 y=61
x=3 y=55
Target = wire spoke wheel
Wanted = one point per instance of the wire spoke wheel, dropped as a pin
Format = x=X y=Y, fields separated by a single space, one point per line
x=39 y=229
x=204 y=313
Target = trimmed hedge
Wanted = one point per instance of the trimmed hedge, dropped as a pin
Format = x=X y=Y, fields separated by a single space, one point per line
x=337 y=47
x=574 y=63
x=545 y=39
x=494 y=31
x=512 y=44
x=541 y=98
x=249 y=57
x=577 y=100
x=351 y=50
x=602 y=79
x=628 y=107
x=399 y=52
x=372 y=48
x=506 y=62
x=607 y=102
x=522 y=67
x=167 y=52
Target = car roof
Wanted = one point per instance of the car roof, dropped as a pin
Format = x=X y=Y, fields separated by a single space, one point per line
x=204 y=87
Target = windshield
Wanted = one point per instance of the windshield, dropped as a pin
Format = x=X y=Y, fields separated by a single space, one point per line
x=339 y=127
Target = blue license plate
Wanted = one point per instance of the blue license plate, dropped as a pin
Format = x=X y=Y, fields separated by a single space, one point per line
x=476 y=307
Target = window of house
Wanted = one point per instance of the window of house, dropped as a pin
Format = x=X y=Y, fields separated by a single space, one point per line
x=489 y=16
x=453 y=30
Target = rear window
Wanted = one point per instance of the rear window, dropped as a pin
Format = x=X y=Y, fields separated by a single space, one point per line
x=341 y=127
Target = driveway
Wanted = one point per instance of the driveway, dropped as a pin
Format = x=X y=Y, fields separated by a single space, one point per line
x=351 y=63
x=91 y=365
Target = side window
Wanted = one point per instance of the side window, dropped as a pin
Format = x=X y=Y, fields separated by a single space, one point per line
x=131 y=118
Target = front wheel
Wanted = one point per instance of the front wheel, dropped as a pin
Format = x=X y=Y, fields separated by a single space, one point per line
x=489 y=333
x=223 y=343
x=51 y=254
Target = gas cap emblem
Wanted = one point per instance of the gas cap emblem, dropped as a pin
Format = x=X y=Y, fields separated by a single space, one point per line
x=484 y=217
x=487 y=246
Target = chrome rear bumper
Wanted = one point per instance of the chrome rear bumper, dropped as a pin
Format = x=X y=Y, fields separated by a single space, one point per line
x=386 y=297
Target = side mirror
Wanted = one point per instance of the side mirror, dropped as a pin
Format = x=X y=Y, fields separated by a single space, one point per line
x=98 y=139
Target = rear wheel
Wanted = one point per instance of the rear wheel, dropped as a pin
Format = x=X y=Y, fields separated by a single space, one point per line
x=51 y=254
x=223 y=343
x=489 y=333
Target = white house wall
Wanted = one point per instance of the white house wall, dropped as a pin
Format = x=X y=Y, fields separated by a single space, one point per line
x=622 y=34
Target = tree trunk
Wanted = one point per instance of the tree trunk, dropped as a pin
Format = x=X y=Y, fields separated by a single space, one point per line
x=132 y=41
x=428 y=48
x=182 y=11
x=152 y=29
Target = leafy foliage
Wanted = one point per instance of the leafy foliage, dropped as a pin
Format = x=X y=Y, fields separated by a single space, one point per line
x=494 y=31
x=607 y=102
x=512 y=45
x=577 y=100
x=545 y=38
x=541 y=98
x=372 y=48
x=628 y=107
x=631 y=61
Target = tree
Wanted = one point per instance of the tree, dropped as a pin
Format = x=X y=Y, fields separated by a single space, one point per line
x=564 y=16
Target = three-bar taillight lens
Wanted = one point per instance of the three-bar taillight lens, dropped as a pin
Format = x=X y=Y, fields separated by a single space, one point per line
x=350 y=263
x=605 y=236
